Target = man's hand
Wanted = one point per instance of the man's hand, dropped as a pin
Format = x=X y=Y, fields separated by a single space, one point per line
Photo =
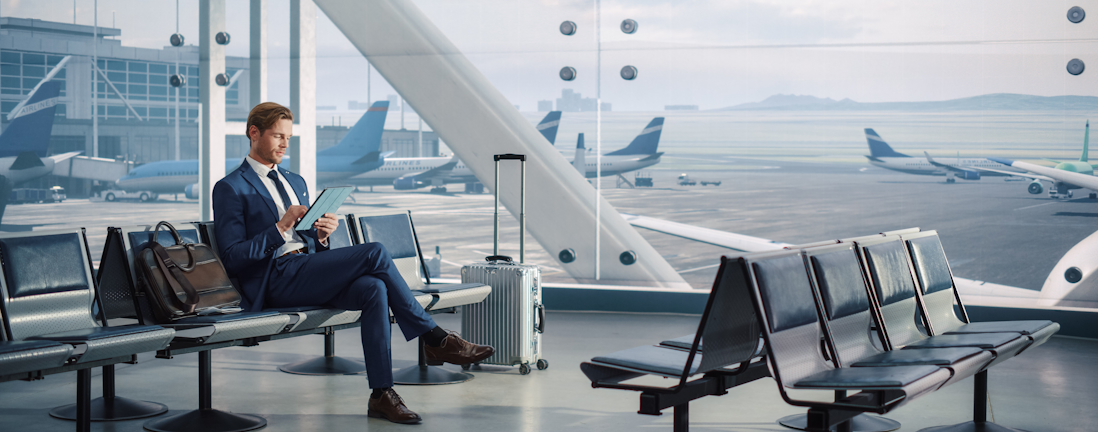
x=289 y=219
x=325 y=226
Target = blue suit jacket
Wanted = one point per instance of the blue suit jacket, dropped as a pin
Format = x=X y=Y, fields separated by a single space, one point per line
x=247 y=238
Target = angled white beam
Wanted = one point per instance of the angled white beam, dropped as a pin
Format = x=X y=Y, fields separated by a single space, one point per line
x=116 y=92
x=476 y=121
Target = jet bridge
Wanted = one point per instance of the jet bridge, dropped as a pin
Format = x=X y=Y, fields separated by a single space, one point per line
x=92 y=168
x=476 y=121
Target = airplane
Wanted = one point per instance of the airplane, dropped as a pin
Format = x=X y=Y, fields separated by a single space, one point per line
x=24 y=143
x=357 y=152
x=882 y=155
x=1064 y=177
x=1072 y=284
x=415 y=173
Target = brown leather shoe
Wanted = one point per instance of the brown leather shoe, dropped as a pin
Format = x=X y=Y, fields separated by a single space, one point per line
x=391 y=407
x=456 y=350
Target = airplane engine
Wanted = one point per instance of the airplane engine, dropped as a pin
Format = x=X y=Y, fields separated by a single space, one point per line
x=407 y=183
x=969 y=175
x=191 y=191
x=1036 y=187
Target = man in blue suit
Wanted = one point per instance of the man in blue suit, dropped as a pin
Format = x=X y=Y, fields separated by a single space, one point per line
x=255 y=210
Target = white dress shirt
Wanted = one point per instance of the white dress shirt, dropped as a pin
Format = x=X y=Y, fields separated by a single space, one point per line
x=293 y=239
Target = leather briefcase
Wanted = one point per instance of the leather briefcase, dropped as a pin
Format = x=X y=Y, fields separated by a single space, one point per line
x=184 y=280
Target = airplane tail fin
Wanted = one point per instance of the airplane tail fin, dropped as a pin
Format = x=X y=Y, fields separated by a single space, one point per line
x=580 y=160
x=878 y=148
x=1086 y=143
x=29 y=130
x=644 y=144
x=548 y=126
x=365 y=136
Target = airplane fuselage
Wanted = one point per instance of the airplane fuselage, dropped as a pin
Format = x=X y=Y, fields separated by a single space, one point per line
x=913 y=165
x=172 y=177
x=395 y=168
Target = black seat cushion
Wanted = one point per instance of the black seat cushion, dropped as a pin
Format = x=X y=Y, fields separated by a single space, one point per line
x=44 y=264
x=651 y=359
x=840 y=282
x=891 y=275
x=7 y=347
x=866 y=377
x=1023 y=327
x=978 y=340
x=682 y=342
x=444 y=288
x=786 y=292
x=96 y=333
x=937 y=357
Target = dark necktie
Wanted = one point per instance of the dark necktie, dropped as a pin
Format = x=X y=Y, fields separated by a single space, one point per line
x=281 y=190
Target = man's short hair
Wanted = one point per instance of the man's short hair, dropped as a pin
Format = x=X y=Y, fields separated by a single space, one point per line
x=265 y=115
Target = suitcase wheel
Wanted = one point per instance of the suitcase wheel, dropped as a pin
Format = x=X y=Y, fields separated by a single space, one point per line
x=524 y=369
x=543 y=364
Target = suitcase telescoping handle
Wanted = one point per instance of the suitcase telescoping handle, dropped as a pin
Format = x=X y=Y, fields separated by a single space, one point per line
x=522 y=211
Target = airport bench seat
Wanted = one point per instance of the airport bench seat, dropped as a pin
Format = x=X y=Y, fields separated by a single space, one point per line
x=49 y=296
x=25 y=356
x=939 y=294
x=397 y=233
x=98 y=343
x=729 y=327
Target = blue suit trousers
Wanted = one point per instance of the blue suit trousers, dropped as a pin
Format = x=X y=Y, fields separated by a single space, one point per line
x=360 y=277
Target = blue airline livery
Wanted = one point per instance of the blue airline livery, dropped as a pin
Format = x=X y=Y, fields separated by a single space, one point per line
x=25 y=142
x=356 y=153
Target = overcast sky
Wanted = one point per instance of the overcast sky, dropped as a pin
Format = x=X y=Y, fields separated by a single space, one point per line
x=711 y=53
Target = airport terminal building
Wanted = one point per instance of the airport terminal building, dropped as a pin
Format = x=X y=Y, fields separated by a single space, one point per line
x=136 y=104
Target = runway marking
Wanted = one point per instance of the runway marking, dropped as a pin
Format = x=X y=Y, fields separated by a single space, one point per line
x=1035 y=205
x=699 y=268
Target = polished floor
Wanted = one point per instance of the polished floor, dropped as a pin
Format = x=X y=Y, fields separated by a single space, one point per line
x=1051 y=388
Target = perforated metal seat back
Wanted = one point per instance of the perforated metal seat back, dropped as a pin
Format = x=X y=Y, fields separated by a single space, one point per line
x=935 y=280
x=791 y=325
x=731 y=332
x=341 y=237
x=394 y=231
x=889 y=273
x=47 y=284
x=843 y=291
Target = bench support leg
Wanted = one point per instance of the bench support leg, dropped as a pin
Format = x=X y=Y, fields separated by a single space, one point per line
x=327 y=365
x=979 y=421
x=83 y=400
x=205 y=418
x=424 y=374
x=858 y=423
x=111 y=407
x=682 y=418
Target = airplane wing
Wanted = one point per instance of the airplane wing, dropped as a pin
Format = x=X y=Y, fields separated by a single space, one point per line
x=965 y=170
x=976 y=293
x=1077 y=179
x=1018 y=174
x=714 y=237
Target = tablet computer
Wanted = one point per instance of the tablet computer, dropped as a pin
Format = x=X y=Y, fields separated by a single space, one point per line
x=328 y=202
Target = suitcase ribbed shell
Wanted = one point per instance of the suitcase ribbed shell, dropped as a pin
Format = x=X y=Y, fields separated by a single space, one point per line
x=508 y=318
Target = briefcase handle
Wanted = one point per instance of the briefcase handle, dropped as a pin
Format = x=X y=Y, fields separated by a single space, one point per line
x=178 y=241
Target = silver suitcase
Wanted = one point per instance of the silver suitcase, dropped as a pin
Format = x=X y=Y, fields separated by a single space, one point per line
x=512 y=318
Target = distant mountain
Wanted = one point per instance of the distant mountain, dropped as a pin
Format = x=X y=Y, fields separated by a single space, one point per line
x=993 y=102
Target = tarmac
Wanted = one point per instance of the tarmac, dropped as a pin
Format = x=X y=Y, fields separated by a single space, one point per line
x=991 y=229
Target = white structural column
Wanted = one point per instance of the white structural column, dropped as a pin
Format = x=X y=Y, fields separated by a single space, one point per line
x=303 y=90
x=477 y=121
x=211 y=61
x=257 y=64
